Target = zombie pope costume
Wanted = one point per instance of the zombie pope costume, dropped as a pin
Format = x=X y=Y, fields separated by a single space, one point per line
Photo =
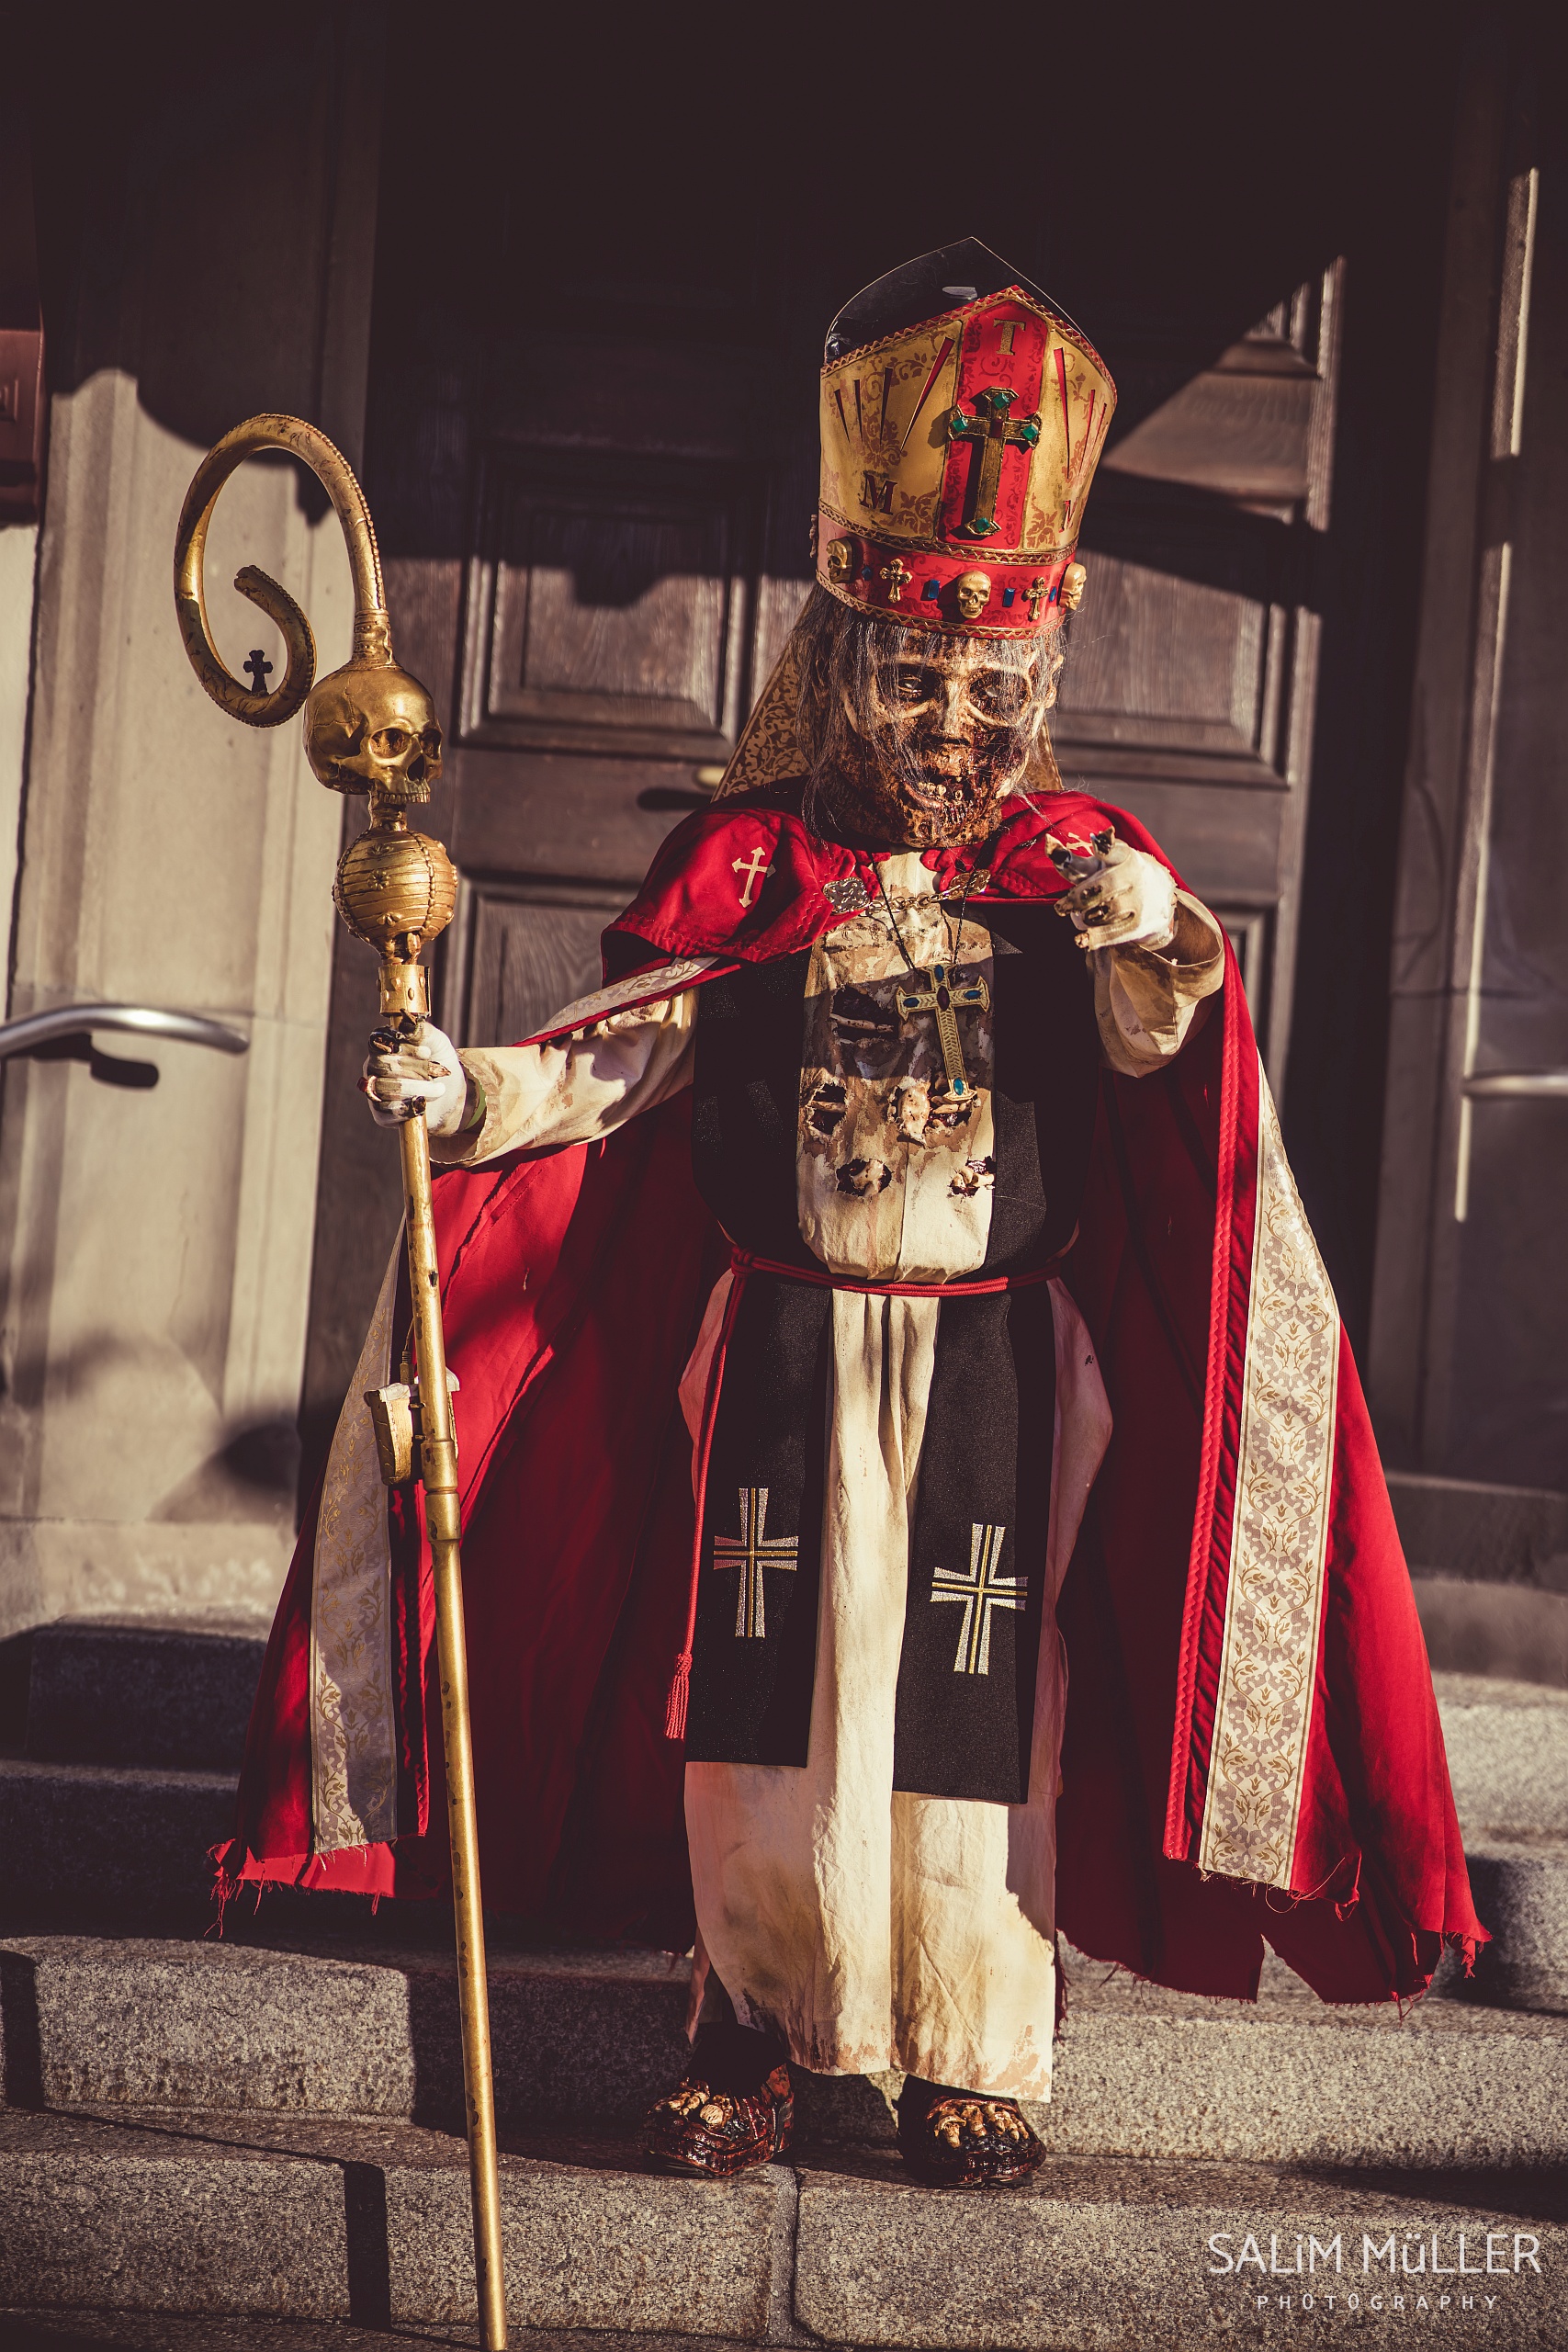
x=918 y=1495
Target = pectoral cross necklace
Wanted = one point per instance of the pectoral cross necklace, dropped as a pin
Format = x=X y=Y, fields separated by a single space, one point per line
x=939 y=990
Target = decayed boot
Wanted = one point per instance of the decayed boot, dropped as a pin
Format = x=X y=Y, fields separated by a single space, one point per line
x=953 y=2139
x=733 y=2108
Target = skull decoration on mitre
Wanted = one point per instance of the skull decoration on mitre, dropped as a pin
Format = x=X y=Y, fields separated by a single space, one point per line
x=962 y=417
x=373 y=729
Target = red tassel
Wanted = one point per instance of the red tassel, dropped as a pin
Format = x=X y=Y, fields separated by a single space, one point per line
x=680 y=1688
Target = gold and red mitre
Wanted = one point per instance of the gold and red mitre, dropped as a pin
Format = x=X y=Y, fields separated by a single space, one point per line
x=962 y=417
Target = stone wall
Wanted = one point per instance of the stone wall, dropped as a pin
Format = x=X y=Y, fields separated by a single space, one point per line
x=154 y=1243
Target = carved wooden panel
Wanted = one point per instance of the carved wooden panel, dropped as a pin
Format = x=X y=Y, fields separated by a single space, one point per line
x=1248 y=929
x=606 y=608
x=518 y=952
x=1176 y=678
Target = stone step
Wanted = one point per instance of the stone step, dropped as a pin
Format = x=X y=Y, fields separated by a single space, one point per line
x=1520 y=1886
x=132 y=1691
x=176 y=1695
x=368 y=2223
x=56 y=2328
x=587 y=2041
x=587 y=2038
x=1507 y=1748
x=110 y=1843
x=126 y=1846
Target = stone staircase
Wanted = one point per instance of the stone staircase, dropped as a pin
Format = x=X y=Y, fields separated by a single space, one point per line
x=263 y=2132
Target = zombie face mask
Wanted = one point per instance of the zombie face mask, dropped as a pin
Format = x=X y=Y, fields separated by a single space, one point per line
x=937 y=734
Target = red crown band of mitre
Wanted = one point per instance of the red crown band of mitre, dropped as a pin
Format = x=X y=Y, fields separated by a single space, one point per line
x=957 y=455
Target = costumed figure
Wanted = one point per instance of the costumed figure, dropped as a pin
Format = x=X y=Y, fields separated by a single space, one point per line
x=886 y=1295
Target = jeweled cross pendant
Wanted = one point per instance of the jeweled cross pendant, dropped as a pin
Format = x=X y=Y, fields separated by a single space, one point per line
x=943 y=995
x=753 y=1553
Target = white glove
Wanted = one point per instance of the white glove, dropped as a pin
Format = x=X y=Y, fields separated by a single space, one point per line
x=1128 y=901
x=404 y=1076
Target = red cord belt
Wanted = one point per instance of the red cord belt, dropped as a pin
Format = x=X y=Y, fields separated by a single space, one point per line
x=746 y=1262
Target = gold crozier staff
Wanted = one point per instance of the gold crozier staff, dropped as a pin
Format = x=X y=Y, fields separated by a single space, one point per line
x=370 y=728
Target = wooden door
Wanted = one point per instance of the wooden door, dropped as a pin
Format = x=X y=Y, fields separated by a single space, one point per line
x=595 y=517
x=1187 y=692
x=617 y=621
x=1472 y=1297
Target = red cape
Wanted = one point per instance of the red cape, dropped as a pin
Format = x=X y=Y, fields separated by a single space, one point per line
x=1252 y=1746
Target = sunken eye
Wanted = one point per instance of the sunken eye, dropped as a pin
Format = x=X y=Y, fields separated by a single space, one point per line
x=913 y=686
x=1000 y=694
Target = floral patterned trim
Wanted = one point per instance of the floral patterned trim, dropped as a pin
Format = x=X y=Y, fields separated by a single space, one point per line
x=769 y=748
x=353 y=1722
x=622 y=996
x=1279 y=1542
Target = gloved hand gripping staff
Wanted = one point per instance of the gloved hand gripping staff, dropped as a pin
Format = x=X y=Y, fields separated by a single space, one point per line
x=371 y=727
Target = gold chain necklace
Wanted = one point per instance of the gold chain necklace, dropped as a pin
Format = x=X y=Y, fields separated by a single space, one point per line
x=937 y=991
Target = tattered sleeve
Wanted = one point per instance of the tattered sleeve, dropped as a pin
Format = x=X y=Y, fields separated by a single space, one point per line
x=575 y=1089
x=1145 y=998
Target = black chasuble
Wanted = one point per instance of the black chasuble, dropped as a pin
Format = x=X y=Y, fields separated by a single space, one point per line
x=980 y=1518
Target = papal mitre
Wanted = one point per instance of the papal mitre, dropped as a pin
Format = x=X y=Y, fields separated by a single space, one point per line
x=962 y=417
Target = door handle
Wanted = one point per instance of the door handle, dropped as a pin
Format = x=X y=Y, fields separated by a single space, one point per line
x=1509 y=1085
x=63 y=1032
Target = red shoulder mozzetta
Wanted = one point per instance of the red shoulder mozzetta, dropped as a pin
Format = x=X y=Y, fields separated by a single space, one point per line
x=754 y=883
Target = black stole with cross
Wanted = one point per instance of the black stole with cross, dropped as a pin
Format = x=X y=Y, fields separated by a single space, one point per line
x=980 y=1519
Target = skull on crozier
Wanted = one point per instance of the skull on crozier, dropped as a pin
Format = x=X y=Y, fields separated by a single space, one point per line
x=374 y=730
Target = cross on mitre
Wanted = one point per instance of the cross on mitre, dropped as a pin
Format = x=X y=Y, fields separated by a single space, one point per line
x=995 y=432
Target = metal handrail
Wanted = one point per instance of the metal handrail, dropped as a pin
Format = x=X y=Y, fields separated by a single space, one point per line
x=1506 y=1085
x=144 y=1020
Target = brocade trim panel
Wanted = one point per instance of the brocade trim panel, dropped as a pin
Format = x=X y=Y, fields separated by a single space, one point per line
x=354 y=1785
x=1279 y=1542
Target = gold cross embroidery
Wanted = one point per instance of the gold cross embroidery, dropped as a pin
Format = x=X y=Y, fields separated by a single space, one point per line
x=751 y=1552
x=943 y=995
x=750 y=874
x=980 y=1591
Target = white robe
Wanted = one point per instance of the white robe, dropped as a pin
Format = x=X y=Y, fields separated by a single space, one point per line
x=871 y=1928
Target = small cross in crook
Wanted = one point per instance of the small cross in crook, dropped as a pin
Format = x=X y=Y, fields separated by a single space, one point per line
x=258 y=669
